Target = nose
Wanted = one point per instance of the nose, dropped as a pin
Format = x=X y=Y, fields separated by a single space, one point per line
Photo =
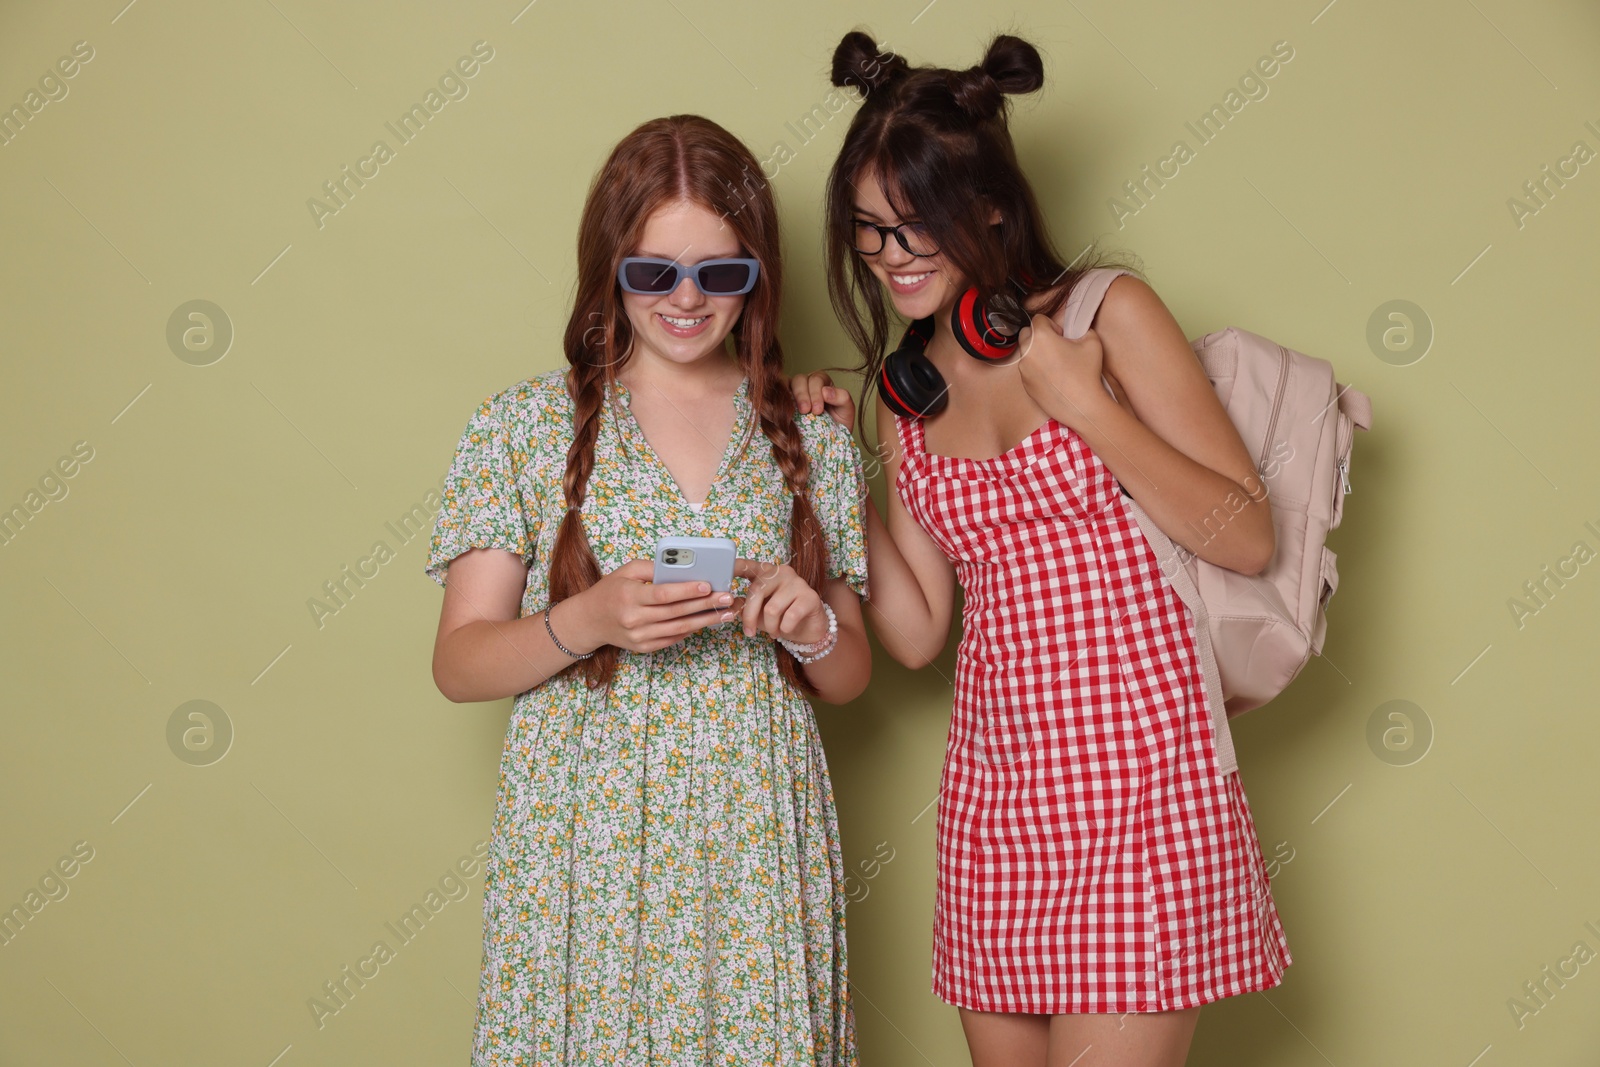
x=686 y=295
x=893 y=254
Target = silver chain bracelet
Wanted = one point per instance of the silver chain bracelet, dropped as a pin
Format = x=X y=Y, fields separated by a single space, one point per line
x=557 y=641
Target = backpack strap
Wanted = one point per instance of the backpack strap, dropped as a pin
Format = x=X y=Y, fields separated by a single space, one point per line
x=1081 y=307
x=1357 y=405
x=1085 y=300
x=1182 y=583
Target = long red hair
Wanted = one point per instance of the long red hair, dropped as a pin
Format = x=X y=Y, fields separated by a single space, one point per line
x=682 y=157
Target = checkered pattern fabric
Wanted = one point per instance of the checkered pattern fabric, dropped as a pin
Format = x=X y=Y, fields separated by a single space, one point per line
x=1091 y=857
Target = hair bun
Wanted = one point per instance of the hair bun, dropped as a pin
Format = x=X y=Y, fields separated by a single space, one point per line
x=857 y=61
x=1014 y=64
x=1010 y=65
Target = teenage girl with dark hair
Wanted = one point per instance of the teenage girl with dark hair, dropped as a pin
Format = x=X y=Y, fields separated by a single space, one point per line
x=664 y=883
x=1099 y=876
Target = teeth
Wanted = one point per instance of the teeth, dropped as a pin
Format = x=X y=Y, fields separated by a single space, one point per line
x=910 y=279
x=685 y=323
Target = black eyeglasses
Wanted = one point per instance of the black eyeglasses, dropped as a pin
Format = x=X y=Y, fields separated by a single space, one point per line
x=713 y=277
x=870 y=238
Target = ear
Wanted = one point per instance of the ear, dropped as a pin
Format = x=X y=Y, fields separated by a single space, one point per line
x=994 y=216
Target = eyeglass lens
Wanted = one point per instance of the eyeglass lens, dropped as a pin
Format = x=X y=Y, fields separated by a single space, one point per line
x=869 y=238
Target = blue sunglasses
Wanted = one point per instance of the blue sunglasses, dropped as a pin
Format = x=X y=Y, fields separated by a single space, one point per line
x=648 y=276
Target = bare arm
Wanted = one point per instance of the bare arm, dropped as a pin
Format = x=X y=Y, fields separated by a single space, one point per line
x=911 y=584
x=1173 y=446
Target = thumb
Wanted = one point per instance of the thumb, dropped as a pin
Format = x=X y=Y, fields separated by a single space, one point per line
x=638 y=570
x=1025 y=338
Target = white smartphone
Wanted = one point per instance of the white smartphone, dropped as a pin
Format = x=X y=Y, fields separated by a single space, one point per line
x=696 y=559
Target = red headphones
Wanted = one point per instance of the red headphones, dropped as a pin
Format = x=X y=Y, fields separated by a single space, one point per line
x=912 y=386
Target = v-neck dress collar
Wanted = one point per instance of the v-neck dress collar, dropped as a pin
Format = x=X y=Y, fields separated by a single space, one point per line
x=667 y=489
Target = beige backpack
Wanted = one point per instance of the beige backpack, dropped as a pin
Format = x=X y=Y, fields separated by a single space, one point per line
x=1257 y=631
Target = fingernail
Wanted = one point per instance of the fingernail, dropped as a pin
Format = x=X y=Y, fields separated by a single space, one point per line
x=724 y=600
x=705 y=587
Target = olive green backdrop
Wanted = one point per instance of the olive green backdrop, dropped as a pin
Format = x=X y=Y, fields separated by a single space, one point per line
x=189 y=475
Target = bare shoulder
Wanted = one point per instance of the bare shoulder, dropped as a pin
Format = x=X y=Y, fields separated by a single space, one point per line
x=1144 y=346
x=1131 y=305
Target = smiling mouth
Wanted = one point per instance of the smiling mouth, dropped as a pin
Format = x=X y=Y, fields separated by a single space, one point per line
x=911 y=279
x=684 y=326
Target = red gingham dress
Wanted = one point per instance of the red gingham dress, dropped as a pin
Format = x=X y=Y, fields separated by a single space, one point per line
x=1090 y=856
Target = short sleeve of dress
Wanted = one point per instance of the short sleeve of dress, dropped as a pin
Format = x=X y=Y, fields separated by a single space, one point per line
x=482 y=505
x=839 y=493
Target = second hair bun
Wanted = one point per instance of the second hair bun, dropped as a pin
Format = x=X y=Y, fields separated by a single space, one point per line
x=1010 y=65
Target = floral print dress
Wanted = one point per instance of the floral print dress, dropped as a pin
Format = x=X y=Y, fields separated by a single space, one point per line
x=664 y=883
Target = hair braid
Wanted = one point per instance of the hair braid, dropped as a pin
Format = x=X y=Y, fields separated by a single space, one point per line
x=573 y=564
x=808 y=549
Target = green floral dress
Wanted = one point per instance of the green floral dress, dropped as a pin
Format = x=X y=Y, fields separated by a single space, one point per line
x=664 y=883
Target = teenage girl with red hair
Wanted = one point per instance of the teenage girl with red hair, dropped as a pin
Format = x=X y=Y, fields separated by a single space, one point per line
x=664 y=883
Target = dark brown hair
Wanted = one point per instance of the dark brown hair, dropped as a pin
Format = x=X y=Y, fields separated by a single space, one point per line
x=939 y=142
x=683 y=157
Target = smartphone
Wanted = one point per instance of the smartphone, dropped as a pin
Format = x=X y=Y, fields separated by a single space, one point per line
x=696 y=559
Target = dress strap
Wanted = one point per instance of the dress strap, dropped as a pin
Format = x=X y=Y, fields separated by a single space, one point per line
x=910 y=435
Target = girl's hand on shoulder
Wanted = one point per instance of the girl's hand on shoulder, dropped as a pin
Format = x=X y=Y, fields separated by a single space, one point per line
x=779 y=603
x=626 y=609
x=815 y=393
x=1062 y=375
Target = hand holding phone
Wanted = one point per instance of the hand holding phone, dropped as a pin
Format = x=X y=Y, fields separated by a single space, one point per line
x=628 y=609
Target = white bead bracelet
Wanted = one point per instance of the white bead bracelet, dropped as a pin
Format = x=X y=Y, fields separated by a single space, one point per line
x=804 y=654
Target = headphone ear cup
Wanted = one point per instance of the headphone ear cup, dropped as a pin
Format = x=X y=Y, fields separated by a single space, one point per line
x=969 y=321
x=911 y=385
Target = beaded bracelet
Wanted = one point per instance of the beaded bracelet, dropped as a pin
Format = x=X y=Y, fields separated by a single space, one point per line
x=557 y=641
x=804 y=654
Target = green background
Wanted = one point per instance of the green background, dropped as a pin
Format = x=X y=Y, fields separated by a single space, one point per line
x=1420 y=884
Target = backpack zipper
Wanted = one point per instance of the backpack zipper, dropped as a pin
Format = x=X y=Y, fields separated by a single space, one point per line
x=1277 y=402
